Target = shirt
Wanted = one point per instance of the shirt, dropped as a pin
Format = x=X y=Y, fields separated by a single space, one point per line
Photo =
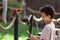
x=48 y=32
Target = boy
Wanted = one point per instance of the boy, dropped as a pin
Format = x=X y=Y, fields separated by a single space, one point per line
x=48 y=33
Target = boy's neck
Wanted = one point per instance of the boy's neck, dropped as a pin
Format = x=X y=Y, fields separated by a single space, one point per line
x=49 y=21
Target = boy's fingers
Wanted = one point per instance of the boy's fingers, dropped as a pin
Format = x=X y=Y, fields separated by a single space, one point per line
x=32 y=38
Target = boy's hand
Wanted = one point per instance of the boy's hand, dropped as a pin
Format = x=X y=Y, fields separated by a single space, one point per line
x=33 y=38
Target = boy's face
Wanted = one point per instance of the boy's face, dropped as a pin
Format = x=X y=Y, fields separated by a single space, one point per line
x=45 y=18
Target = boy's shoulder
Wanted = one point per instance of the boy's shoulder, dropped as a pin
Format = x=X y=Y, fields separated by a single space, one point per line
x=50 y=25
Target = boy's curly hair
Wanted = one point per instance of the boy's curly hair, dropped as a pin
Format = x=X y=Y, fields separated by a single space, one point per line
x=49 y=10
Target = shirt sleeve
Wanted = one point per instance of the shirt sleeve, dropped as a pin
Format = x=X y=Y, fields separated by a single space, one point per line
x=46 y=33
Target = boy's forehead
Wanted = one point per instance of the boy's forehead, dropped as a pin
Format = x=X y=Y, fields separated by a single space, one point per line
x=43 y=13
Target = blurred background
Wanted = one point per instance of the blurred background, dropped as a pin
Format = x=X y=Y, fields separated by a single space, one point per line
x=28 y=7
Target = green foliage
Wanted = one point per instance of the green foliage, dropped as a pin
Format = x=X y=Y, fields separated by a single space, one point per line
x=4 y=24
x=22 y=29
x=15 y=3
x=22 y=32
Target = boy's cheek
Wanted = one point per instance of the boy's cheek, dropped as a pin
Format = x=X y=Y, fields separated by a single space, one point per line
x=45 y=19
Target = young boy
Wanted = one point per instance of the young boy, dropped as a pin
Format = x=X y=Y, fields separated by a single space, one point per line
x=48 y=32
